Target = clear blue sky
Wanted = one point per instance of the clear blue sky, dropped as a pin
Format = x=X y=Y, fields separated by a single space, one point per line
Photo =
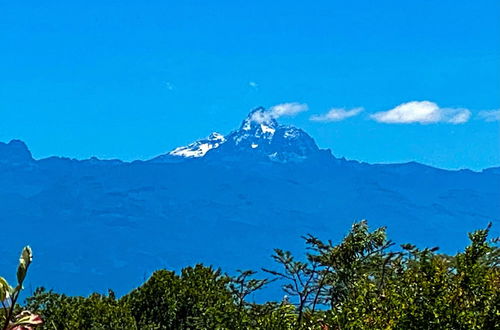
x=134 y=79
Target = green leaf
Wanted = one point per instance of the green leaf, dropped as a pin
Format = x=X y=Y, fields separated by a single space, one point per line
x=5 y=289
x=24 y=262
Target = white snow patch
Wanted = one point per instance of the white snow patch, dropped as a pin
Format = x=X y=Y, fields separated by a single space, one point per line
x=199 y=151
x=199 y=148
x=291 y=134
x=217 y=136
x=267 y=129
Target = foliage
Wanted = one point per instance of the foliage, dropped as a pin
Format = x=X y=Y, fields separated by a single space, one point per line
x=301 y=278
x=94 y=312
x=9 y=295
x=363 y=282
x=155 y=304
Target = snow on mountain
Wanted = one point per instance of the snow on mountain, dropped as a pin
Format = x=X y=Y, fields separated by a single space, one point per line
x=199 y=148
x=193 y=150
x=224 y=201
x=259 y=135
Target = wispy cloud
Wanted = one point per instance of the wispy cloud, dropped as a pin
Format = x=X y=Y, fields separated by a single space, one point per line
x=280 y=110
x=169 y=86
x=336 y=114
x=253 y=84
x=288 y=109
x=423 y=112
x=490 y=115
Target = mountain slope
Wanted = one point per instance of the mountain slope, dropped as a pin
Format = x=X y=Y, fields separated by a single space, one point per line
x=96 y=224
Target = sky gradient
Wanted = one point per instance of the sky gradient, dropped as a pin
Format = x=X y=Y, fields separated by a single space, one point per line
x=131 y=80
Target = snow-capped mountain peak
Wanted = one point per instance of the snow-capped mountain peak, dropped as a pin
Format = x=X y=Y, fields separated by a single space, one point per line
x=260 y=122
x=260 y=136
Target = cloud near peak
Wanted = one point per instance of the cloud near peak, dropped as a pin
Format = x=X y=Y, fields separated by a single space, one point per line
x=287 y=109
x=336 y=114
x=280 y=110
x=490 y=115
x=422 y=112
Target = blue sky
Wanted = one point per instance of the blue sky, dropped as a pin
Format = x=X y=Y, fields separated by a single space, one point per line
x=134 y=79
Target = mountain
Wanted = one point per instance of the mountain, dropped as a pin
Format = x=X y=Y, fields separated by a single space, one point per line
x=224 y=200
x=14 y=153
x=259 y=137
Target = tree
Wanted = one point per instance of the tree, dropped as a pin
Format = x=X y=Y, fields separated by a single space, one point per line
x=200 y=298
x=156 y=303
x=93 y=312
x=363 y=282
x=300 y=277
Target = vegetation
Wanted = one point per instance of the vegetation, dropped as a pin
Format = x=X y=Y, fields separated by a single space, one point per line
x=11 y=318
x=364 y=282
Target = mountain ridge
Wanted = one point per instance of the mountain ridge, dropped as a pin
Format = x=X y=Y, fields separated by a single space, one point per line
x=259 y=126
x=6 y=153
x=94 y=221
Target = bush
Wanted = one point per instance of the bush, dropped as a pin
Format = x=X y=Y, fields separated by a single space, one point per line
x=363 y=282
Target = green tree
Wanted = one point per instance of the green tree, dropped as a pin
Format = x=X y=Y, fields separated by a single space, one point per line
x=155 y=305
x=200 y=298
x=300 y=279
x=93 y=312
x=363 y=282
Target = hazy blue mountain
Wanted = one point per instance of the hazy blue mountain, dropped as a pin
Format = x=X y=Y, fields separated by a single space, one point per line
x=224 y=200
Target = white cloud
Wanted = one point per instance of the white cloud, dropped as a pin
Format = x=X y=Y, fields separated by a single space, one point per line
x=336 y=114
x=253 y=84
x=287 y=109
x=279 y=110
x=169 y=86
x=423 y=112
x=490 y=115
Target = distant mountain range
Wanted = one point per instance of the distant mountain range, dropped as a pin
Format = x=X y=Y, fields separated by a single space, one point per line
x=224 y=200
